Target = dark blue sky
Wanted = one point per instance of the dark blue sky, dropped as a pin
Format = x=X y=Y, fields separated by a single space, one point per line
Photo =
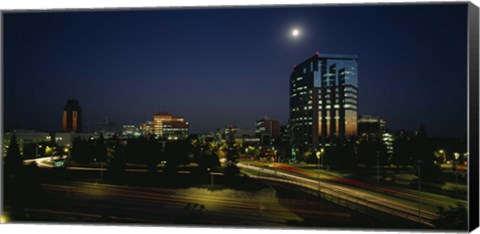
x=231 y=66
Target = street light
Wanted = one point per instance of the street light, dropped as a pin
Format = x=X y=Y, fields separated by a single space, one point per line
x=378 y=168
x=457 y=155
x=36 y=150
x=211 y=176
x=419 y=162
x=319 y=156
x=101 y=168
x=443 y=153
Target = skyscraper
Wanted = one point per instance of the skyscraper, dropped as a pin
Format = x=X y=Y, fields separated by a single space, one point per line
x=323 y=99
x=72 y=117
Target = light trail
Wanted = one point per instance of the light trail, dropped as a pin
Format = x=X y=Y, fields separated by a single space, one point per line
x=358 y=196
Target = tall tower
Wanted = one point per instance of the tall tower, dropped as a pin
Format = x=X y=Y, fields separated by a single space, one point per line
x=72 y=117
x=323 y=99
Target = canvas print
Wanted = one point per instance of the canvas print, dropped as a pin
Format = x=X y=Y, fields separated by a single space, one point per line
x=308 y=116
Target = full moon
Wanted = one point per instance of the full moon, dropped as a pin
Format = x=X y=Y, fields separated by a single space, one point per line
x=295 y=32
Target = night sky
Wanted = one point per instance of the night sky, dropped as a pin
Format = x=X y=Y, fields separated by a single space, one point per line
x=222 y=66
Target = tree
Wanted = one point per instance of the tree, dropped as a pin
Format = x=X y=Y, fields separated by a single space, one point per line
x=176 y=153
x=231 y=169
x=13 y=160
x=342 y=155
x=116 y=159
x=153 y=153
x=100 y=149
x=82 y=151
x=369 y=149
x=23 y=190
x=205 y=158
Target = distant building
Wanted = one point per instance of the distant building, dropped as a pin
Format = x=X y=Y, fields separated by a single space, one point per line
x=323 y=99
x=231 y=135
x=239 y=136
x=375 y=129
x=267 y=130
x=72 y=117
x=170 y=127
x=146 y=128
x=26 y=139
x=33 y=143
x=369 y=125
x=65 y=139
x=131 y=131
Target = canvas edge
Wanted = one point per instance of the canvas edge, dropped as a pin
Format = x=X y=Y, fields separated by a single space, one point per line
x=473 y=118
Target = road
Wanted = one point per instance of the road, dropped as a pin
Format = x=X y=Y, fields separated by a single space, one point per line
x=395 y=202
x=98 y=202
x=405 y=204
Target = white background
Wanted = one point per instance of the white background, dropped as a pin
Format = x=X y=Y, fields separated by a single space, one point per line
x=89 y=4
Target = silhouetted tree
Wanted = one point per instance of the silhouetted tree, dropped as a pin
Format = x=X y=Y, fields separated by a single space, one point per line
x=82 y=151
x=404 y=149
x=23 y=190
x=153 y=153
x=177 y=153
x=342 y=155
x=13 y=159
x=231 y=169
x=100 y=149
x=116 y=162
x=368 y=151
x=205 y=158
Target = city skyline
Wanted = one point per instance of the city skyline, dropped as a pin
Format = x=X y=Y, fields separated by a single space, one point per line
x=122 y=67
x=349 y=116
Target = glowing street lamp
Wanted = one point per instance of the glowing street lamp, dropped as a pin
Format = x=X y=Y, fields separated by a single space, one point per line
x=211 y=176
x=36 y=150
x=442 y=153
x=319 y=154
x=419 y=163
x=457 y=155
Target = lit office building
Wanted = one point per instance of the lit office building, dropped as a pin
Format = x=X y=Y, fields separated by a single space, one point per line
x=238 y=136
x=170 y=127
x=375 y=129
x=32 y=144
x=72 y=117
x=323 y=99
x=267 y=130
x=130 y=131
x=369 y=125
x=146 y=128
x=26 y=140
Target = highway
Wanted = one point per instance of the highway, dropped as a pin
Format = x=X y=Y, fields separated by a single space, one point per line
x=99 y=202
x=403 y=204
x=404 y=208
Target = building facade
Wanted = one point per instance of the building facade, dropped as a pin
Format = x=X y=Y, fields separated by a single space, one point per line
x=170 y=127
x=146 y=128
x=375 y=129
x=72 y=117
x=370 y=125
x=32 y=144
x=131 y=130
x=267 y=130
x=323 y=99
